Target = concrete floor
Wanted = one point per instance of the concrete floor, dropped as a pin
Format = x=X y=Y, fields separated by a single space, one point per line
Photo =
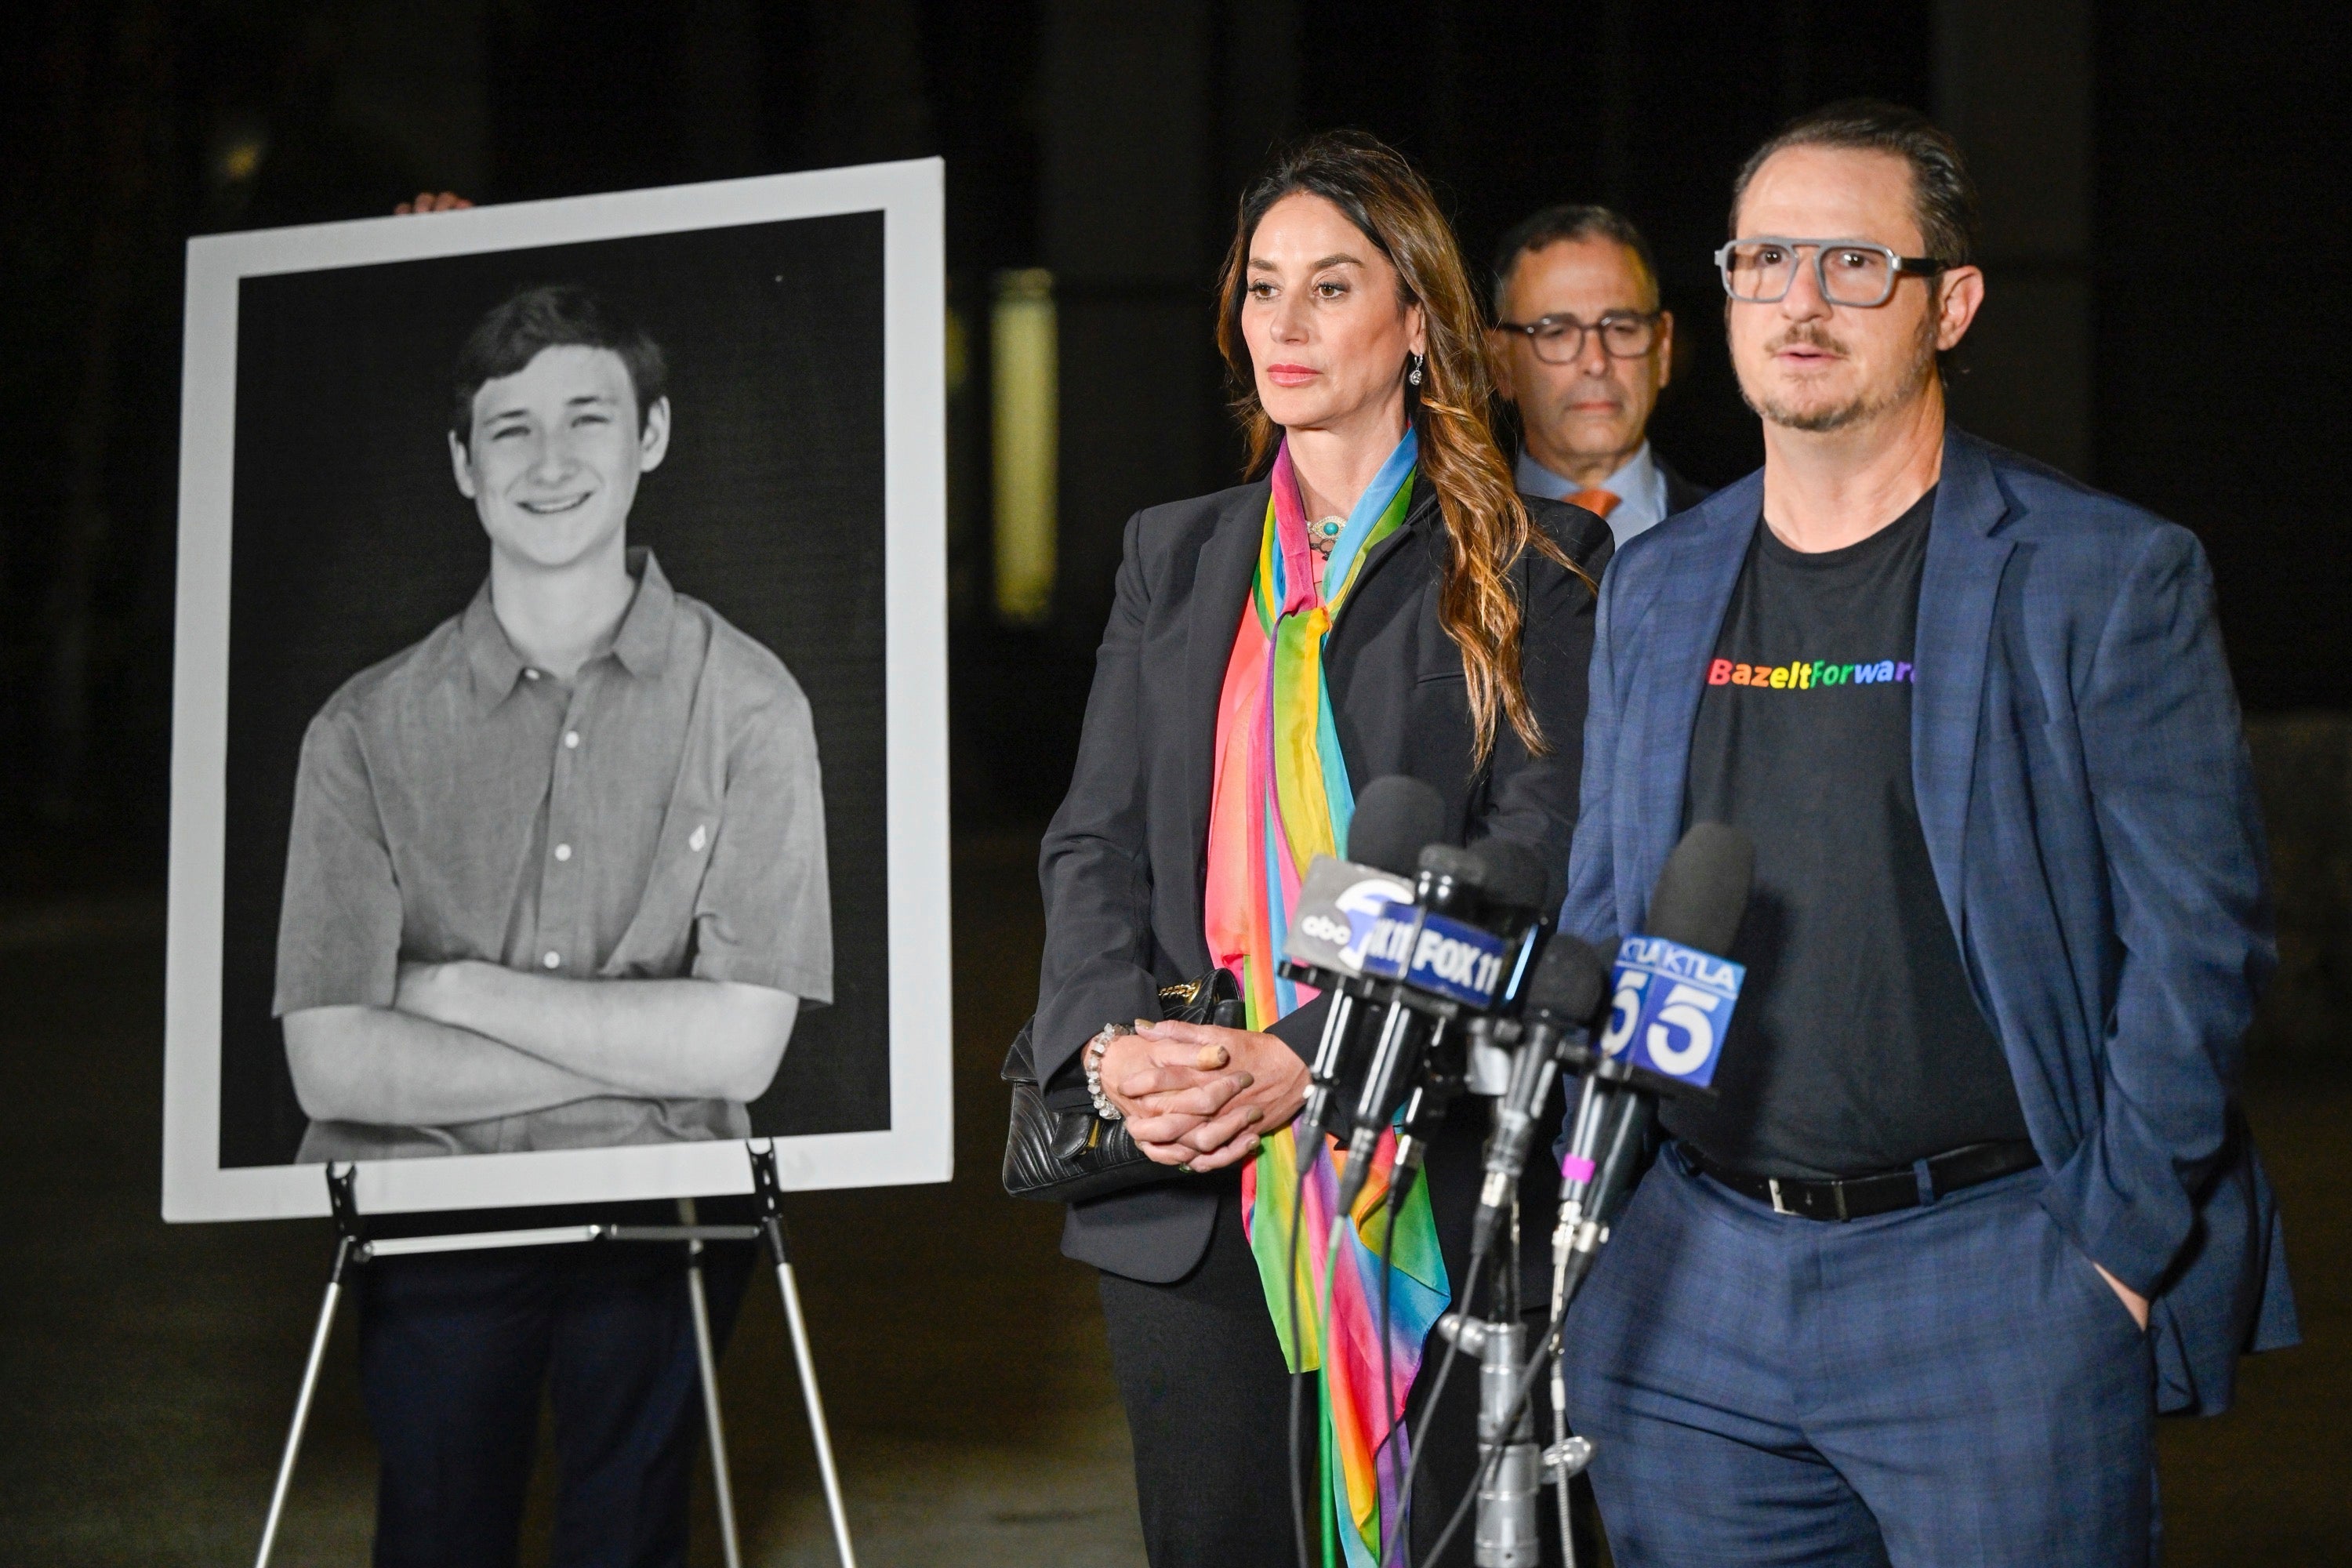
x=146 y=1371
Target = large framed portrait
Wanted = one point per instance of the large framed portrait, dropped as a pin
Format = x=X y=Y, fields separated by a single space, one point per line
x=559 y=761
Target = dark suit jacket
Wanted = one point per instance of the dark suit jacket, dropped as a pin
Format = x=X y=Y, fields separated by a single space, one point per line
x=2089 y=810
x=1123 y=866
x=1682 y=494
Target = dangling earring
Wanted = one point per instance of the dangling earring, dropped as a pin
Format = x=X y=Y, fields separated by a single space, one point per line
x=1413 y=375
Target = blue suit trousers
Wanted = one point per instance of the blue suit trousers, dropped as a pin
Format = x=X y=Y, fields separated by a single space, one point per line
x=1947 y=1385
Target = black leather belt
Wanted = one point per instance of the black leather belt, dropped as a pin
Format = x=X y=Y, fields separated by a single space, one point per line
x=1858 y=1197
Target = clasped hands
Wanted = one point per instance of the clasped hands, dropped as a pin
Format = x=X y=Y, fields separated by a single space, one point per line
x=1201 y=1097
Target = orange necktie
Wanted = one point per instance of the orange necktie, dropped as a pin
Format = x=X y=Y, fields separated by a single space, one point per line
x=1596 y=500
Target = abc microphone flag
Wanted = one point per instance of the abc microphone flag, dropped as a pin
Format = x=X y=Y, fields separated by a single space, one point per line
x=1341 y=906
x=1340 y=900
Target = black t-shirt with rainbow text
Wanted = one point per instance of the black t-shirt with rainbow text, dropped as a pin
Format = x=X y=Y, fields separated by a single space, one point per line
x=1857 y=1045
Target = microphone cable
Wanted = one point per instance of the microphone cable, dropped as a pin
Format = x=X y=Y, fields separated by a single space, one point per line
x=1297 y=1379
x=1323 y=1349
x=1389 y=1390
x=1419 y=1439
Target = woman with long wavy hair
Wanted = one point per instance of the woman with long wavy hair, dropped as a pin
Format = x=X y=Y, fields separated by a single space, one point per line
x=1376 y=600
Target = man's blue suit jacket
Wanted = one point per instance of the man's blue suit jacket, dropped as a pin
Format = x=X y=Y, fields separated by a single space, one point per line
x=2084 y=788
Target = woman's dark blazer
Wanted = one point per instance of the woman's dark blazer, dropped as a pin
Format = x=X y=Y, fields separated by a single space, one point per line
x=1123 y=866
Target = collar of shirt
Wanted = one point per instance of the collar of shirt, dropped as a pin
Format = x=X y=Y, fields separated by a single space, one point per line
x=641 y=644
x=1638 y=487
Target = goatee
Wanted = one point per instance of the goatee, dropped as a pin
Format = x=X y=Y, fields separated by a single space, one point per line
x=1866 y=403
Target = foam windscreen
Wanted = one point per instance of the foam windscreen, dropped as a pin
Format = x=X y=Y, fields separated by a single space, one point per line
x=1703 y=893
x=1514 y=875
x=1570 y=979
x=1394 y=817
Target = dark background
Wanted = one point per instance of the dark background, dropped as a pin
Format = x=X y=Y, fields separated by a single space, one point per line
x=351 y=541
x=2167 y=319
x=2168 y=311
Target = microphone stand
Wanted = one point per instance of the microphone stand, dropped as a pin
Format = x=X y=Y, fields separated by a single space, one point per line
x=1622 y=1116
x=1611 y=1117
x=1698 y=897
x=1510 y=1479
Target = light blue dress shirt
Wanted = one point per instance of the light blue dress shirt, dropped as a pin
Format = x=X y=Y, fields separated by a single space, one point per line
x=1638 y=487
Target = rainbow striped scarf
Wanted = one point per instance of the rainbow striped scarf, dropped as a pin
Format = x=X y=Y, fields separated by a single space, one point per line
x=1282 y=797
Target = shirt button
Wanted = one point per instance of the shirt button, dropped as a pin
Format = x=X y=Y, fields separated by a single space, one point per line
x=563 y=852
x=553 y=960
x=571 y=739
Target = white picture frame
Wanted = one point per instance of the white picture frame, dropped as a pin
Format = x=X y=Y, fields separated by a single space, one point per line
x=917 y=1145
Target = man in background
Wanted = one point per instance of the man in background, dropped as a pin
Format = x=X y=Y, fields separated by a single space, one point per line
x=1583 y=348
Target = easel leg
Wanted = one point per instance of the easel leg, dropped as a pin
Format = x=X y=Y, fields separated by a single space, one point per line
x=815 y=1403
x=343 y=1247
x=772 y=1224
x=720 y=1482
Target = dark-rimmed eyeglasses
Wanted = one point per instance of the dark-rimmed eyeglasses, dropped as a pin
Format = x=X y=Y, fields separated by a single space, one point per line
x=1560 y=340
x=1762 y=269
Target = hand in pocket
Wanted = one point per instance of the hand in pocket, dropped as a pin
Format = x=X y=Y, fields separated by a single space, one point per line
x=2134 y=1302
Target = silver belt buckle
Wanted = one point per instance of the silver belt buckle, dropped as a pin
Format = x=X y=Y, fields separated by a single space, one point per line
x=1778 y=1206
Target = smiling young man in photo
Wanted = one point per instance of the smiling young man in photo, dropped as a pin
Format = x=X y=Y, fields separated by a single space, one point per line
x=1972 y=1200
x=556 y=879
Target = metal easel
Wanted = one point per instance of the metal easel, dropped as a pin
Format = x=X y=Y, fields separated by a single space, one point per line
x=353 y=1248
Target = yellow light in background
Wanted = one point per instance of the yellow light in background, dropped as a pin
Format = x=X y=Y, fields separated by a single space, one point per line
x=241 y=160
x=959 y=353
x=1027 y=418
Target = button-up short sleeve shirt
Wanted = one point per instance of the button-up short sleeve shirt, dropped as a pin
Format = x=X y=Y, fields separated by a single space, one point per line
x=659 y=814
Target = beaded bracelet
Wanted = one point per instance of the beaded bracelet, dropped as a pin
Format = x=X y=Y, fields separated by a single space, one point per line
x=1093 y=1059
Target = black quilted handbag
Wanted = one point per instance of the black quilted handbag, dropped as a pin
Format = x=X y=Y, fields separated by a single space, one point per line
x=1058 y=1149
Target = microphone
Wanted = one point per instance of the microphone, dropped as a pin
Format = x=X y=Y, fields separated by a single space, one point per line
x=1514 y=880
x=1512 y=886
x=1564 y=999
x=1339 y=905
x=1442 y=956
x=1448 y=884
x=1702 y=893
x=1517 y=887
x=1673 y=999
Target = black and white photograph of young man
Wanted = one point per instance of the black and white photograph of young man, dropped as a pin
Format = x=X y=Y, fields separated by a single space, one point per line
x=557 y=875
x=561 y=700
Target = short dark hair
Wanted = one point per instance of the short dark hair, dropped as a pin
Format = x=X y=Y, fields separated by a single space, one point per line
x=1569 y=220
x=1943 y=196
x=552 y=316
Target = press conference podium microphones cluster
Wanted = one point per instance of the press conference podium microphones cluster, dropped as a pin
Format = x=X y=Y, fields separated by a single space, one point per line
x=1413 y=963
x=1429 y=969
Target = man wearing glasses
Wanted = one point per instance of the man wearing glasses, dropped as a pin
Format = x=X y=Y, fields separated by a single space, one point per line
x=1581 y=346
x=1972 y=1201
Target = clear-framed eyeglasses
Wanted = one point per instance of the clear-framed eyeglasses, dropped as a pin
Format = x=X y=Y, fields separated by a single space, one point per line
x=1761 y=271
x=1560 y=340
